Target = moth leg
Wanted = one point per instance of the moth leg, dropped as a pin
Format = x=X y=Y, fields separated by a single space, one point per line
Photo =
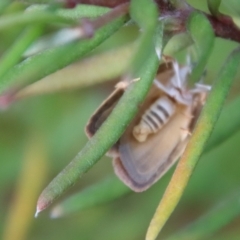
x=189 y=116
x=160 y=86
x=176 y=79
x=200 y=88
x=203 y=87
x=186 y=130
x=201 y=98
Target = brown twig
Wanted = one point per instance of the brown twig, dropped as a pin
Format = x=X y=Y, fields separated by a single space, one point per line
x=223 y=25
x=90 y=26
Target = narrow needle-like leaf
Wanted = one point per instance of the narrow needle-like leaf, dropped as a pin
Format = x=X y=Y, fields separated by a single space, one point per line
x=105 y=137
x=31 y=17
x=80 y=11
x=111 y=130
x=51 y=60
x=12 y=56
x=213 y=6
x=177 y=43
x=203 y=36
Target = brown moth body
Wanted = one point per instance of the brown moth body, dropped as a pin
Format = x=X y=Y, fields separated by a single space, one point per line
x=160 y=131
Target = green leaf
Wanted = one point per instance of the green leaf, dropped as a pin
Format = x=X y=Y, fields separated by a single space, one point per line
x=82 y=11
x=32 y=17
x=71 y=14
x=105 y=137
x=203 y=36
x=148 y=24
x=177 y=43
x=149 y=21
x=13 y=54
x=110 y=131
x=213 y=6
x=49 y=61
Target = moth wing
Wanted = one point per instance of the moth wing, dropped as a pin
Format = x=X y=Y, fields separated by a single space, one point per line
x=101 y=114
x=139 y=165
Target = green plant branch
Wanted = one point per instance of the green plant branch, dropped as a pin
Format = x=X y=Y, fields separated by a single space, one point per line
x=107 y=66
x=111 y=130
x=178 y=11
x=203 y=38
x=80 y=11
x=105 y=137
x=49 y=61
x=195 y=147
x=31 y=17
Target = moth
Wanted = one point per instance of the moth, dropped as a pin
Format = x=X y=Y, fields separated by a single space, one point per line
x=160 y=131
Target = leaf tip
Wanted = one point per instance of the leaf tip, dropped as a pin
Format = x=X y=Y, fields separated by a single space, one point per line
x=42 y=204
x=37 y=213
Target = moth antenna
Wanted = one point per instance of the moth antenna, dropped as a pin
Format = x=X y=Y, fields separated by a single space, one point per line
x=124 y=84
x=177 y=76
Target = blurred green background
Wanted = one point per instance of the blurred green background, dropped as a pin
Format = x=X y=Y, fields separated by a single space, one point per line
x=40 y=135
